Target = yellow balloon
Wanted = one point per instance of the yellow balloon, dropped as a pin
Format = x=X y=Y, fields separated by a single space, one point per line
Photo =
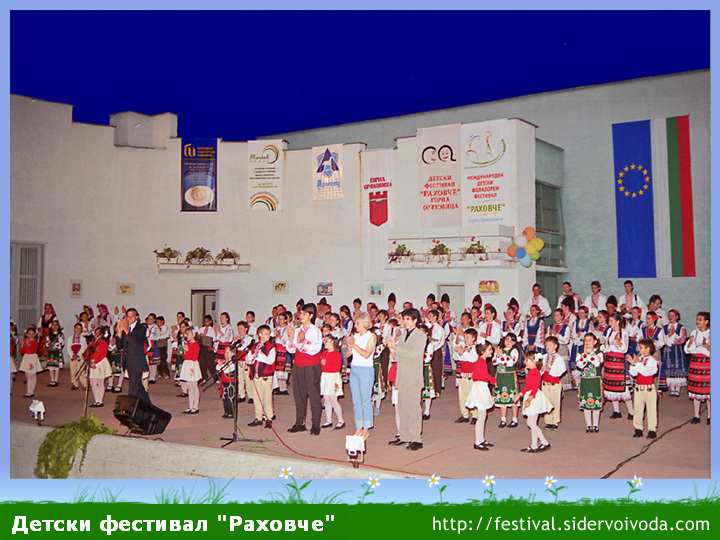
x=537 y=242
x=530 y=248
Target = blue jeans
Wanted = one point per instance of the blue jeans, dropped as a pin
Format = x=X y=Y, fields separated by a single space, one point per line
x=361 y=385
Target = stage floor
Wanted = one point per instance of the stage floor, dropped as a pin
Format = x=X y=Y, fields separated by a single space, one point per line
x=682 y=450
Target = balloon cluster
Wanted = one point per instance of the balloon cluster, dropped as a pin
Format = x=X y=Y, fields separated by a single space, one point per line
x=526 y=248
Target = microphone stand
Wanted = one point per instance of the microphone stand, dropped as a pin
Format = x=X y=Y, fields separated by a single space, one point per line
x=234 y=438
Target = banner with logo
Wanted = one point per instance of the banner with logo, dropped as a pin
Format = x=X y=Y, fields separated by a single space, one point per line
x=439 y=167
x=376 y=196
x=198 y=189
x=489 y=177
x=327 y=177
x=266 y=171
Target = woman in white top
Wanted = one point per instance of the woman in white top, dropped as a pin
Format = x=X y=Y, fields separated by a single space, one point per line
x=362 y=374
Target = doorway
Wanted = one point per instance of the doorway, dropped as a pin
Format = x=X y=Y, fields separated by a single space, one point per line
x=456 y=293
x=203 y=302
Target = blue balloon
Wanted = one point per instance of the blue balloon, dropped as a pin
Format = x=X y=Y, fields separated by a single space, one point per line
x=526 y=261
x=520 y=253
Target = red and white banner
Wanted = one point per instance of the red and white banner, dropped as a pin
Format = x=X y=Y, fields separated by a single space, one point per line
x=489 y=172
x=439 y=168
x=376 y=196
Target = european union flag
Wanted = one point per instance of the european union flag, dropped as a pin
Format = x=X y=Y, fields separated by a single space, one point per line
x=634 y=213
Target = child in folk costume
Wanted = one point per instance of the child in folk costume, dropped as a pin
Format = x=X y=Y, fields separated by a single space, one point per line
x=633 y=327
x=87 y=327
x=76 y=346
x=535 y=332
x=282 y=357
x=561 y=331
x=207 y=350
x=590 y=389
x=698 y=347
x=602 y=326
x=43 y=326
x=163 y=337
x=651 y=330
x=228 y=374
x=30 y=364
x=615 y=386
x=262 y=367
x=152 y=350
x=427 y=393
x=673 y=358
x=552 y=369
x=178 y=346
x=465 y=365
x=54 y=344
x=191 y=371
x=479 y=398
x=223 y=338
x=579 y=328
x=489 y=330
x=437 y=340
x=331 y=381
x=447 y=364
x=104 y=319
x=643 y=368
x=507 y=391
x=242 y=346
x=567 y=306
x=99 y=366
x=379 y=383
x=115 y=361
x=535 y=403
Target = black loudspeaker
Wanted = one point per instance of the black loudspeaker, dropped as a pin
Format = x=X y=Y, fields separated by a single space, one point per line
x=139 y=416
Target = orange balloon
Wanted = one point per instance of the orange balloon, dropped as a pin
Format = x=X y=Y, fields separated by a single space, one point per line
x=529 y=233
x=511 y=250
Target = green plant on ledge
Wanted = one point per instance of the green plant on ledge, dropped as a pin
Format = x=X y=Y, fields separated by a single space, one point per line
x=475 y=248
x=227 y=254
x=167 y=253
x=439 y=249
x=199 y=254
x=400 y=251
x=56 y=455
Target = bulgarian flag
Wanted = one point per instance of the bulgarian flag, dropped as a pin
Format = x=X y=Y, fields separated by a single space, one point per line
x=653 y=198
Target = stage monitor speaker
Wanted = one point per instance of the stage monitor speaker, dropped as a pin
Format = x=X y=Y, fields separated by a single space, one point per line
x=139 y=416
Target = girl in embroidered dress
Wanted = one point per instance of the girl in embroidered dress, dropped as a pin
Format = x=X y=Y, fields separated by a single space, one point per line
x=76 y=346
x=99 y=367
x=191 y=371
x=602 y=326
x=673 y=358
x=615 y=386
x=30 y=364
x=590 y=389
x=479 y=399
x=115 y=361
x=331 y=382
x=535 y=332
x=534 y=403
x=650 y=330
x=178 y=346
x=507 y=391
x=698 y=347
x=46 y=320
x=561 y=331
x=582 y=326
x=54 y=344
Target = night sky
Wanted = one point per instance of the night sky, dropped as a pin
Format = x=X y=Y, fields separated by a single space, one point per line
x=242 y=75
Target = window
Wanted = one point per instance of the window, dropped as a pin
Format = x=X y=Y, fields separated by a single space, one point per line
x=549 y=224
x=26 y=267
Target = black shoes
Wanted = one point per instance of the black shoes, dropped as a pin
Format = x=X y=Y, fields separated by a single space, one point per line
x=513 y=424
x=53 y=384
x=638 y=433
x=327 y=424
x=543 y=447
x=695 y=420
x=551 y=427
x=630 y=416
x=473 y=421
x=315 y=431
x=340 y=426
x=616 y=414
x=414 y=446
x=462 y=420
x=651 y=435
x=182 y=394
x=481 y=446
x=96 y=404
x=296 y=429
x=226 y=415
x=397 y=442
x=250 y=401
x=268 y=424
x=241 y=400
x=255 y=422
x=502 y=424
x=426 y=417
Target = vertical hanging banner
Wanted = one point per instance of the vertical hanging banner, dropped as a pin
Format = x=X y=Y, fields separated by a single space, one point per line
x=489 y=176
x=376 y=196
x=439 y=168
x=327 y=177
x=198 y=190
x=266 y=171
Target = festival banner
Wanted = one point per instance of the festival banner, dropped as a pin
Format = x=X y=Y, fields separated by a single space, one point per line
x=376 y=196
x=439 y=173
x=489 y=179
x=327 y=176
x=653 y=198
x=198 y=190
x=266 y=172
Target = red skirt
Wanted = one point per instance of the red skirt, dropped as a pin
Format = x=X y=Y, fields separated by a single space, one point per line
x=614 y=373
x=699 y=377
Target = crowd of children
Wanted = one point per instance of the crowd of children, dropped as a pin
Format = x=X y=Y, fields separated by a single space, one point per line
x=629 y=355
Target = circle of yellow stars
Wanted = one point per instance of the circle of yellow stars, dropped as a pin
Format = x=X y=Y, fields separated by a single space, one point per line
x=645 y=180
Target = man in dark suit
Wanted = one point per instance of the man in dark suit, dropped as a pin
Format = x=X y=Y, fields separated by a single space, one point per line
x=132 y=341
